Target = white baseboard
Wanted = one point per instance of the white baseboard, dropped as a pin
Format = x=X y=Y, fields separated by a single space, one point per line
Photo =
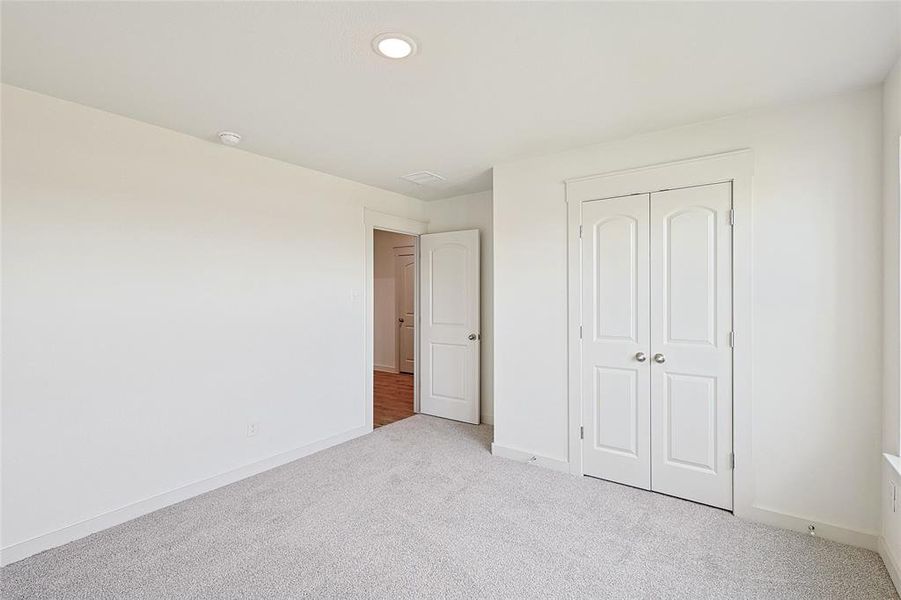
x=829 y=531
x=528 y=457
x=891 y=563
x=24 y=549
x=836 y=533
x=385 y=368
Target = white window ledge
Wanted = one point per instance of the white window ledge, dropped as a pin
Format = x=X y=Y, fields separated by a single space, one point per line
x=894 y=462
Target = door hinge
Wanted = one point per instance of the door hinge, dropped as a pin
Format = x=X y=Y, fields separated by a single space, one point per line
x=582 y=433
x=732 y=339
x=580 y=231
x=732 y=460
x=580 y=332
x=731 y=216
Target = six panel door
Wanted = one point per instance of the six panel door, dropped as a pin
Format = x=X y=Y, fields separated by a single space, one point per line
x=656 y=342
x=615 y=340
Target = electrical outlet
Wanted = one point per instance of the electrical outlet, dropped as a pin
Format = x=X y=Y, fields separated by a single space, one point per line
x=252 y=428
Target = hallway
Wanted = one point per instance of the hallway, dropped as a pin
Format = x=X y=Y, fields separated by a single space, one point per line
x=392 y=397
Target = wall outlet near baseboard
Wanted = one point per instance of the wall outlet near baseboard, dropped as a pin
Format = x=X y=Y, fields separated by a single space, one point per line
x=252 y=428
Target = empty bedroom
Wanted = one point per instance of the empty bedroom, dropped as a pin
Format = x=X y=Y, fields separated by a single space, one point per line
x=477 y=300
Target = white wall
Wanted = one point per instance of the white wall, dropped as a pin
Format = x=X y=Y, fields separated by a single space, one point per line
x=384 y=323
x=161 y=292
x=817 y=298
x=891 y=521
x=473 y=211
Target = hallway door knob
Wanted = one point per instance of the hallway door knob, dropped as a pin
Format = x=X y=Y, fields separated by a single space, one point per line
x=641 y=356
x=659 y=358
x=473 y=336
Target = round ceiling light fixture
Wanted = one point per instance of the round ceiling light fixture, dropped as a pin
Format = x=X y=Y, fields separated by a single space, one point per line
x=229 y=138
x=394 y=45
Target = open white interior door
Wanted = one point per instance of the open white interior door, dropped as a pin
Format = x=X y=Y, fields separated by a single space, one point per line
x=449 y=328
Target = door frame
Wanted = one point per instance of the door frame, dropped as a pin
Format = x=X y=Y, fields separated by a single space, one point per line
x=736 y=167
x=398 y=252
x=373 y=220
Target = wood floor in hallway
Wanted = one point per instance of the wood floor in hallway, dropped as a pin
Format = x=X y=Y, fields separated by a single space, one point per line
x=392 y=397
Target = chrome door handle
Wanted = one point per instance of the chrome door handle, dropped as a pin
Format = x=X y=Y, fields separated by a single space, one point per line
x=473 y=336
x=659 y=358
x=641 y=356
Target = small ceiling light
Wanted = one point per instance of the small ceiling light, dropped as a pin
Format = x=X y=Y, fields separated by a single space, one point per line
x=394 y=45
x=229 y=138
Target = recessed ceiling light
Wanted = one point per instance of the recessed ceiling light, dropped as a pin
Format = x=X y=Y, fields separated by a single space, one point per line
x=394 y=45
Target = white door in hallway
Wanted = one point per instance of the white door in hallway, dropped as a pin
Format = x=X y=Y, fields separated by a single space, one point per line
x=616 y=340
x=691 y=346
x=405 y=282
x=449 y=327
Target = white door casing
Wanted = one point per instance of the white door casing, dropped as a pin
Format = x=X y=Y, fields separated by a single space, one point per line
x=373 y=220
x=735 y=167
x=691 y=325
x=404 y=281
x=449 y=325
x=616 y=340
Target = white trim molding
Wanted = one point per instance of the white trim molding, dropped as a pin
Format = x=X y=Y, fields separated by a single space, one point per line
x=736 y=167
x=529 y=458
x=891 y=476
x=823 y=529
x=891 y=562
x=52 y=539
x=373 y=220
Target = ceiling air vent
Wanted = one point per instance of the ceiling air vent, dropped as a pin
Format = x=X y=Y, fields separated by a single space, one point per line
x=424 y=178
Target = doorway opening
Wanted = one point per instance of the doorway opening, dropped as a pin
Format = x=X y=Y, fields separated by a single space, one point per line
x=445 y=318
x=394 y=326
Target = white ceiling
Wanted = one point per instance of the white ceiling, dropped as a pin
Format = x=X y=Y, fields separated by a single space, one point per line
x=491 y=82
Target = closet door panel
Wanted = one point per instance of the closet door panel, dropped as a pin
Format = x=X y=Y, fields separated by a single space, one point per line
x=615 y=322
x=691 y=362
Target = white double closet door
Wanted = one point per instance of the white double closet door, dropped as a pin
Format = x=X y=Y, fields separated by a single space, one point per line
x=657 y=342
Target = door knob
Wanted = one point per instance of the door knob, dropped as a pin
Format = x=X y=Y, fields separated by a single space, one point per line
x=473 y=336
x=401 y=320
x=641 y=356
x=659 y=358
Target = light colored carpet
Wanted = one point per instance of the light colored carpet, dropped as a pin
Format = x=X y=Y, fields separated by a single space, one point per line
x=420 y=509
